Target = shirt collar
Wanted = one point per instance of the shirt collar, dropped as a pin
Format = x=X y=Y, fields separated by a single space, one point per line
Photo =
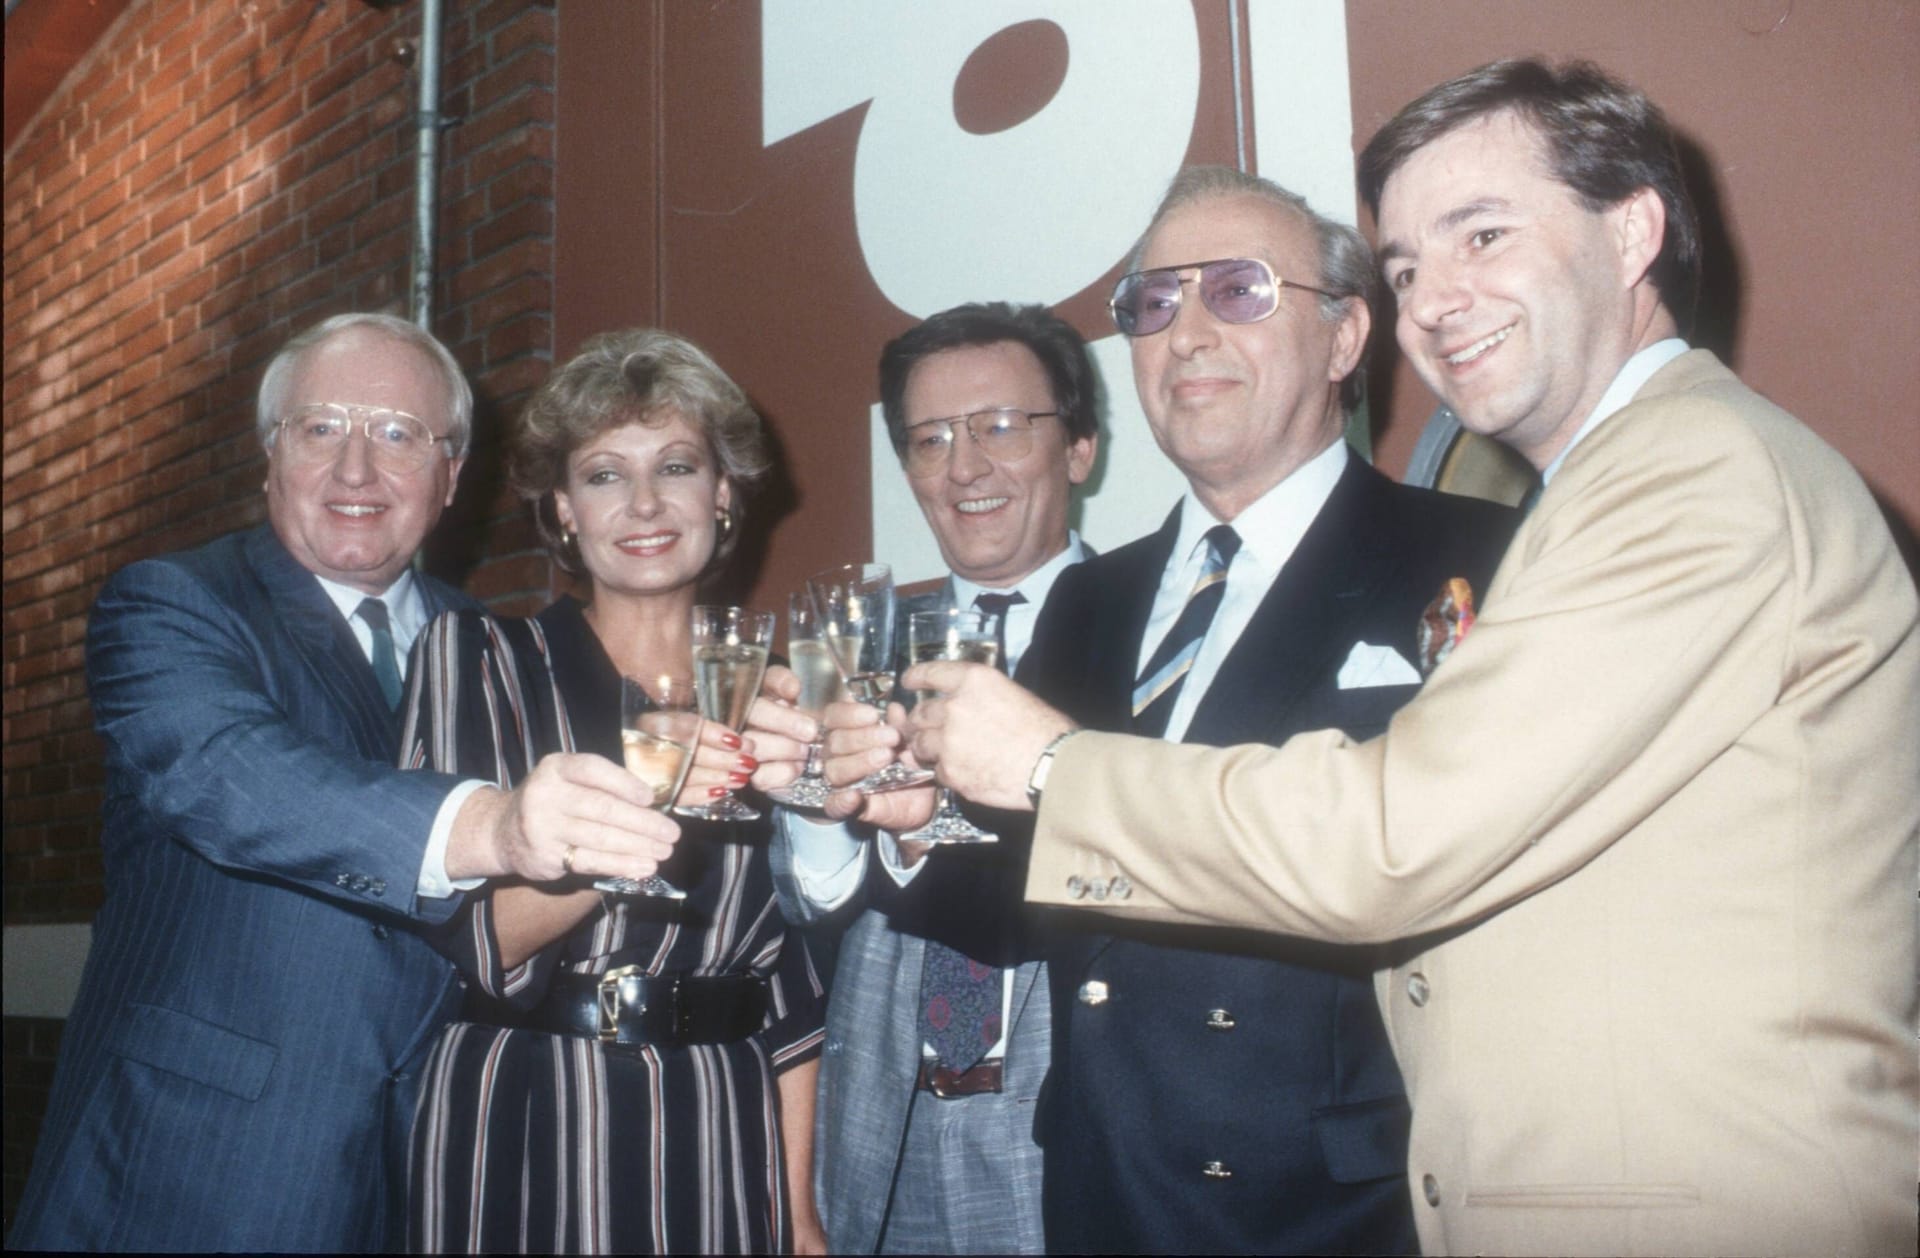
x=1033 y=587
x=406 y=609
x=1273 y=524
x=1633 y=374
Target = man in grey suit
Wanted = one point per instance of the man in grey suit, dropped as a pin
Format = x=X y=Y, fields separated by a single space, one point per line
x=238 y=1070
x=926 y=1145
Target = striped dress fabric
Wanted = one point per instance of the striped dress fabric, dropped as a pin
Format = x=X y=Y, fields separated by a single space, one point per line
x=531 y=1142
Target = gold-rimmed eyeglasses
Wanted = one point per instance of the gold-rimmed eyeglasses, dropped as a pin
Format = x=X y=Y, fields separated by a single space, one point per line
x=396 y=441
x=1005 y=432
x=1236 y=290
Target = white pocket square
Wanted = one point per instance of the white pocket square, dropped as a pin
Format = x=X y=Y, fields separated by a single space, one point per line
x=1370 y=665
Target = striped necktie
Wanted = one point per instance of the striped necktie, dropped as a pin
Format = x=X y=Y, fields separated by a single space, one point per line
x=374 y=613
x=1159 y=685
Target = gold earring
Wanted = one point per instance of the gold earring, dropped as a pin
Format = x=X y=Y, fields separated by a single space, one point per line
x=725 y=516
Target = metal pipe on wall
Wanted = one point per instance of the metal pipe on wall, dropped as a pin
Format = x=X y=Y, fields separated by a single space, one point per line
x=426 y=168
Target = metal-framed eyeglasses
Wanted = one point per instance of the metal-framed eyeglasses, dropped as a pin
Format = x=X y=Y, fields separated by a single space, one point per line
x=1236 y=290
x=1004 y=433
x=396 y=441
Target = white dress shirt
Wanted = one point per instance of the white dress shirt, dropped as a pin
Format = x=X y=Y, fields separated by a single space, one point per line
x=1270 y=528
x=406 y=617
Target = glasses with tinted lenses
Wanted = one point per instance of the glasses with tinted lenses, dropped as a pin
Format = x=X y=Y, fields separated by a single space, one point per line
x=1002 y=433
x=1236 y=290
x=396 y=441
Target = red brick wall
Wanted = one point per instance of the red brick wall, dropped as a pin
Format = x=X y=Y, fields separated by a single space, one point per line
x=212 y=177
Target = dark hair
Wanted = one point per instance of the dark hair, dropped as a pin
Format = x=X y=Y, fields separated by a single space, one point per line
x=632 y=377
x=1061 y=351
x=1346 y=263
x=1603 y=139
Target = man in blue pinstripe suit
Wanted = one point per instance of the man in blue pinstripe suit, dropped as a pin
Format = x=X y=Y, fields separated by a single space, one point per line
x=239 y=1062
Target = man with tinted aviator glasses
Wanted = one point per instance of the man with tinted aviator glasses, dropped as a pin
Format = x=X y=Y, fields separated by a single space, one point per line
x=1220 y=1093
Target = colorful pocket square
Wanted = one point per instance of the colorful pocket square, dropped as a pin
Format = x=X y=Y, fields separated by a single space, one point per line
x=1445 y=623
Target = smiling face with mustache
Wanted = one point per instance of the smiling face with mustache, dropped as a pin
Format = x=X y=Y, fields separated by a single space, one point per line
x=1239 y=406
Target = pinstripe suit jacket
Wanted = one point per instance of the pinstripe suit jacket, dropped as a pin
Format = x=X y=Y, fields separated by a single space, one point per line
x=239 y=1060
x=873 y=1046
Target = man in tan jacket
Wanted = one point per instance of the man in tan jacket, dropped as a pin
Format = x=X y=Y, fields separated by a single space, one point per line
x=1647 y=839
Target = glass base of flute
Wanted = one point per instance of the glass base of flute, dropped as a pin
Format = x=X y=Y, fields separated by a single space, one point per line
x=659 y=734
x=950 y=825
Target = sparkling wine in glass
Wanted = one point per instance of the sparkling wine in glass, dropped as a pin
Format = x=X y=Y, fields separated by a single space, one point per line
x=951 y=635
x=659 y=734
x=811 y=657
x=729 y=658
x=856 y=606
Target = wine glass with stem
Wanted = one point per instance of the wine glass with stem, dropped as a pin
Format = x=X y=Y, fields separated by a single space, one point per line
x=952 y=634
x=856 y=606
x=811 y=659
x=659 y=736
x=730 y=647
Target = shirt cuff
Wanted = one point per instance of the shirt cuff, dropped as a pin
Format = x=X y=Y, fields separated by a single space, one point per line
x=434 y=883
x=887 y=843
x=829 y=860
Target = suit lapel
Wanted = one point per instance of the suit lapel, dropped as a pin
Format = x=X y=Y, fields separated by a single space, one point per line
x=329 y=656
x=1302 y=629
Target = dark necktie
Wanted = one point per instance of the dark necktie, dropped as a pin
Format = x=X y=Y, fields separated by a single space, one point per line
x=959 y=997
x=374 y=613
x=1160 y=681
x=996 y=605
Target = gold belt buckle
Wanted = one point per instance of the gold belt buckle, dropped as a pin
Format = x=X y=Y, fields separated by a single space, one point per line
x=609 y=990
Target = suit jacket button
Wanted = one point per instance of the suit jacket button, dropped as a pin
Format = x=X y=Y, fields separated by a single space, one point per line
x=1076 y=887
x=343 y=881
x=379 y=886
x=360 y=882
x=1431 y=1187
x=1097 y=889
x=1417 y=988
x=1120 y=888
x=1215 y=1170
x=1221 y=1020
x=1093 y=992
x=380 y=930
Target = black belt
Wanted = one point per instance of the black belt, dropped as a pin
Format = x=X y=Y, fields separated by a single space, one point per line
x=629 y=1006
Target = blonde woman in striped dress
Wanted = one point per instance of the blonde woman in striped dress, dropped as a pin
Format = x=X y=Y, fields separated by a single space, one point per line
x=692 y=1131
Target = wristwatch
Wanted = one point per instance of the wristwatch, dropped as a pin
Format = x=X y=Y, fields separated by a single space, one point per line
x=1037 y=780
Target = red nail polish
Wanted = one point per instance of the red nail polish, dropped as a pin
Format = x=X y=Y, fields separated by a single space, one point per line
x=715 y=792
x=738 y=779
x=730 y=741
x=747 y=765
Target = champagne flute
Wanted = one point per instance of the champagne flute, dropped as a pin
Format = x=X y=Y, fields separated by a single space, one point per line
x=811 y=659
x=659 y=734
x=951 y=635
x=856 y=605
x=729 y=659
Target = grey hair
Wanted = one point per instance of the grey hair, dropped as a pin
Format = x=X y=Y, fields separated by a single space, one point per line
x=280 y=372
x=1346 y=262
